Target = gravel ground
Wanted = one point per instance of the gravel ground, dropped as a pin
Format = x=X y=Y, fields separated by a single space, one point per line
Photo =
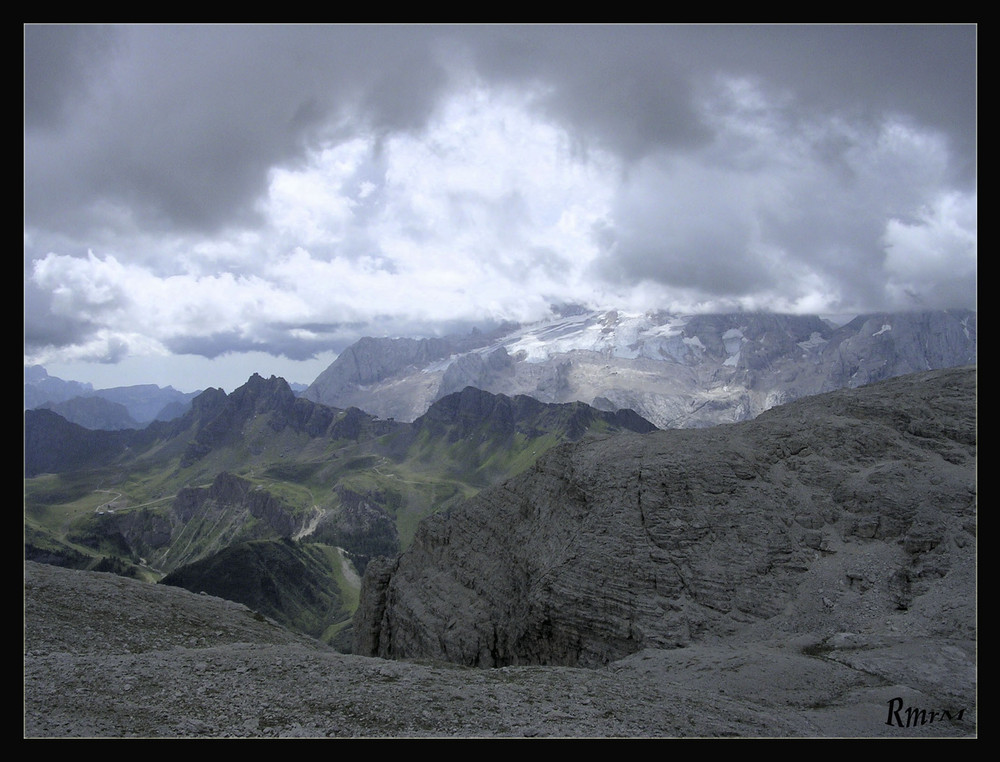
x=109 y=657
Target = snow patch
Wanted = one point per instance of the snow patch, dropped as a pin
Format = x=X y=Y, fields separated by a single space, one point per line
x=620 y=334
x=440 y=366
x=673 y=327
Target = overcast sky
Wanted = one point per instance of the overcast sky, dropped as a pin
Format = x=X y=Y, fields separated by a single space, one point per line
x=204 y=202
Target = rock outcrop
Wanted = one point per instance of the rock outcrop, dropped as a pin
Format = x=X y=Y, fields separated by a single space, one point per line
x=852 y=511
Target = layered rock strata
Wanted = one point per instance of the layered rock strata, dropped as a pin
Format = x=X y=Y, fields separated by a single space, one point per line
x=853 y=511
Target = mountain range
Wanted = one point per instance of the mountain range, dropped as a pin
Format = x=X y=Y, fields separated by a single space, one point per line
x=208 y=490
x=437 y=420
x=121 y=407
x=677 y=371
x=809 y=573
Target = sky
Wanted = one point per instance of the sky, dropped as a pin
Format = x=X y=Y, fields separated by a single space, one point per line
x=204 y=202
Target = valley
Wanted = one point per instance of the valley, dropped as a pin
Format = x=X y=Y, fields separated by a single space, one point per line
x=397 y=430
x=811 y=573
x=260 y=465
x=538 y=530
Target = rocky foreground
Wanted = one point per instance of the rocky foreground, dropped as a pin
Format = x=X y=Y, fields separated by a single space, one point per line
x=811 y=573
x=110 y=657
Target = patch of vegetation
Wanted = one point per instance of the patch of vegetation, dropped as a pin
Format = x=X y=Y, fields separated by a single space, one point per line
x=53 y=489
x=107 y=543
x=48 y=551
x=293 y=584
x=361 y=463
x=299 y=473
x=116 y=566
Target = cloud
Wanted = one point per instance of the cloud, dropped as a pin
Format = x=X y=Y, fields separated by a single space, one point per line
x=931 y=261
x=784 y=206
x=212 y=190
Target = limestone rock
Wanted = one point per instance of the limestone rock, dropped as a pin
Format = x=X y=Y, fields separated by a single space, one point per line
x=671 y=538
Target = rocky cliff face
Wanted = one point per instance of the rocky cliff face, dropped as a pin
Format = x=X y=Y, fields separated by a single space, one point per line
x=876 y=347
x=395 y=362
x=674 y=370
x=853 y=511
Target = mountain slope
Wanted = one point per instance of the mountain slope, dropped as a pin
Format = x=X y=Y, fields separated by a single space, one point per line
x=297 y=585
x=260 y=464
x=677 y=371
x=849 y=511
x=93 y=413
x=53 y=444
x=143 y=403
x=480 y=437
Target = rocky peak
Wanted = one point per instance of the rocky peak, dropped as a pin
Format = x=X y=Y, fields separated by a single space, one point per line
x=222 y=420
x=263 y=395
x=466 y=411
x=850 y=511
x=209 y=402
x=471 y=410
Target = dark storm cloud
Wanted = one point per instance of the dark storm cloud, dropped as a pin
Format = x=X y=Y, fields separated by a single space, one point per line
x=927 y=72
x=285 y=189
x=213 y=345
x=59 y=62
x=623 y=88
x=183 y=123
x=631 y=86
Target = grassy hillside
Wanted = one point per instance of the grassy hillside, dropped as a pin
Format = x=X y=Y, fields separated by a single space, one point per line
x=230 y=485
x=299 y=585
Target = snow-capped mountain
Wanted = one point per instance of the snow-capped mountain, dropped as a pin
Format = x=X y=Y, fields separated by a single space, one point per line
x=678 y=371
